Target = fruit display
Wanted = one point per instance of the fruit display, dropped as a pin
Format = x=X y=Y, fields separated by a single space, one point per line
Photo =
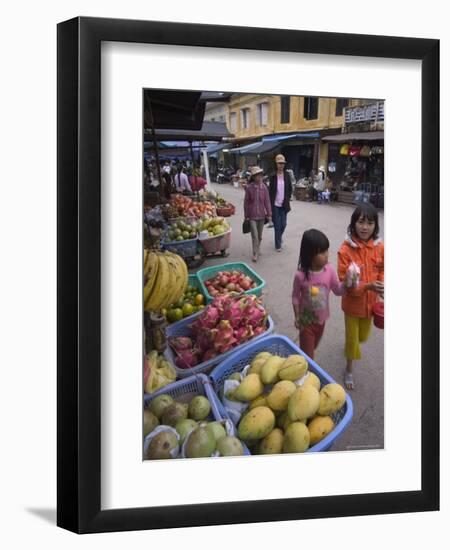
x=227 y=322
x=173 y=429
x=185 y=206
x=158 y=372
x=191 y=302
x=279 y=406
x=214 y=226
x=165 y=279
x=182 y=230
x=226 y=282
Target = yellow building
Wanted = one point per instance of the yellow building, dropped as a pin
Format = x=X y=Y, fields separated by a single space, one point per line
x=299 y=122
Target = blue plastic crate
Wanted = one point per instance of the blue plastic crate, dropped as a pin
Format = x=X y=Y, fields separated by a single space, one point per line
x=185 y=249
x=283 y=346
x=182 y=328
x=184 y=390
x=209 y=273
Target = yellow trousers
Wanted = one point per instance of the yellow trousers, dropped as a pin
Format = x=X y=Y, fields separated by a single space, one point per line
x=357 y=330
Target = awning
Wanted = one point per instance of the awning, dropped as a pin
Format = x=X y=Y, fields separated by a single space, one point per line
x=296 y=135
x=216 y=147
x=210 y=131
x=257 y=148
x=355 y=136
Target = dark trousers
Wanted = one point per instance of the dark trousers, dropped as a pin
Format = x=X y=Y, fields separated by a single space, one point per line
x=279 y=217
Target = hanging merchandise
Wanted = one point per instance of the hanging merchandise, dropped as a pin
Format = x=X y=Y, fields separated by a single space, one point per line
x=344 y=149
x=365 y=151
x=377 y=150
x=354 y=150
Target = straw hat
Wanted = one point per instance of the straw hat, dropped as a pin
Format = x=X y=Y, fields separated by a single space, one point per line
x=321 y=168
x=255 y=170
x=280 y=158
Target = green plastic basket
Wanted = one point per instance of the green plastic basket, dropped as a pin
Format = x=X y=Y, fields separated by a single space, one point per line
x=209 y=272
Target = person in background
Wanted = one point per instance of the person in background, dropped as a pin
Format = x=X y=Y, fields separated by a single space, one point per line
x=280 y=192
x=319 y=183
x=182 y=181
x=256 y=208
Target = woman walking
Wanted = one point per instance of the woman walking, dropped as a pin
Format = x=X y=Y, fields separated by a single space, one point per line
x=280 y=191
x=256 y=207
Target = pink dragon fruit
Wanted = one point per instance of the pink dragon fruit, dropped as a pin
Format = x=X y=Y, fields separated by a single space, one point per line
x=220 y=303
x=180 y=343
x=259 y=330
x=240 y=334
x=204 y=342
x=223 y=337
x=207 y=320
x=234 y=313
x=186 y=358
x=254 y=315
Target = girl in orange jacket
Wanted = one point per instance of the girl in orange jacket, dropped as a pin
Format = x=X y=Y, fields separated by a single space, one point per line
x=363 y=248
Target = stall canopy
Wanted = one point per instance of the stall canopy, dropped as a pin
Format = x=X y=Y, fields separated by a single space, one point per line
x=208 y=131
x=355 y=136
x=294 y=135
x=216 y=147
x=257 y=148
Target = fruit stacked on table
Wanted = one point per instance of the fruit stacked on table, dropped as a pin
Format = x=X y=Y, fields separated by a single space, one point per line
x=191 y=302
x=214 y=226
x=187 y=207
x=288 y=410
x=182 y=230
x=165 y=279
x=185 y=430
x=227 y=322
x=225 y=282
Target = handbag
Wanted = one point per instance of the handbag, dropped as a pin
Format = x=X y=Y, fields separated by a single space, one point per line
x=246 y=226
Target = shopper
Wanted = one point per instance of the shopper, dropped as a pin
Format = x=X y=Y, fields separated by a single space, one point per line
x=364 y=251
x=182 y=181
x=280 y=191
x=313 y=281
x=319 y=183
x=257 y=208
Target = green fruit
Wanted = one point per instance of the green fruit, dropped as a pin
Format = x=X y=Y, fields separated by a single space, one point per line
x=200 y=443
x=185 y=235
x=199 y=408
x=217 y=429
x=184 y=427
x=173 y=413
x=296 y=438
x=150 y=421
x=163 y=445
x=230 y=446
x=159 y=404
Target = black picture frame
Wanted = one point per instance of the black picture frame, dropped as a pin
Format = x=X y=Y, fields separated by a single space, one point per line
x=79 y=275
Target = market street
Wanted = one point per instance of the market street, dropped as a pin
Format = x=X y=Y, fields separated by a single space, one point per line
x=366 y=431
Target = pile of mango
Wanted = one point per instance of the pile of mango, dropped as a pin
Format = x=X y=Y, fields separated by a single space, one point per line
x=288 y=410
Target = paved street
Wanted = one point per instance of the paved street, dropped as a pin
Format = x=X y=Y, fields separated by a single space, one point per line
x=367 y=427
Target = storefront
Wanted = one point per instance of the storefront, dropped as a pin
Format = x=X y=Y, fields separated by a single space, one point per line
x=356 y=166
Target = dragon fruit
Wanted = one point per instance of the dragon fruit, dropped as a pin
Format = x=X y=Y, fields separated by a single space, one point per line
x=180 y=343
x=209 y=354
x=223 y=337
x=234 y=313
x=208 y=319
x=204 y=342
x=258 y=330
x=186 y=358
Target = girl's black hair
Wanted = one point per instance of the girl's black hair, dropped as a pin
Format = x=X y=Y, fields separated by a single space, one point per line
x=313 y=242
x=366 y=211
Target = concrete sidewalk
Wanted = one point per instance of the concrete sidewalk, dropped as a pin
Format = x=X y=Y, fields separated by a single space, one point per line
x=366 y=430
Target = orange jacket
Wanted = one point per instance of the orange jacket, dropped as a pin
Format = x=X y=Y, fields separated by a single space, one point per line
x=369 y=257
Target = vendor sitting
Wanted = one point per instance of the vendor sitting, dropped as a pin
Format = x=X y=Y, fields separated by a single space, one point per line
x=181 y=181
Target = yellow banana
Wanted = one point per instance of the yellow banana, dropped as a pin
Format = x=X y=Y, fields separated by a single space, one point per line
x=161 y=286
x=149 y=258
x=151 y=275
x=171 y=286
x=178 y=283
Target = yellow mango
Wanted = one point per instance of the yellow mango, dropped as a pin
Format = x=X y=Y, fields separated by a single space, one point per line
x=250 y=388
x=259 y=402
x=278 y=398
x=269 y=371
x=320 y=427
x=256 y=423
x=258 y=361
x=272 y=444
x=296 y=438
x=312 y=379
x=332 y=398
x=303 y=403
x=293 y=367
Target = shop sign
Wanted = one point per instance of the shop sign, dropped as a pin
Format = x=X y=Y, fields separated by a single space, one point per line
x=365 y=113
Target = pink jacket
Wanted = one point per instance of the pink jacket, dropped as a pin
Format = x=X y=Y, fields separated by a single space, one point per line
x=257 y=202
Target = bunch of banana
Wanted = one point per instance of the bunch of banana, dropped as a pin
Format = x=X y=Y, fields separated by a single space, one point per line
x=161 y=372
x=165 y=279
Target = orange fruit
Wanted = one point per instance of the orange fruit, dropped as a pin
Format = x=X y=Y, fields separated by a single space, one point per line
x=188 y=309
x=314 y=291
x=199 y=299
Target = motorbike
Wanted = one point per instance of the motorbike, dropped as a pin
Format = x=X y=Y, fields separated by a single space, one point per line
x=225 y=175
